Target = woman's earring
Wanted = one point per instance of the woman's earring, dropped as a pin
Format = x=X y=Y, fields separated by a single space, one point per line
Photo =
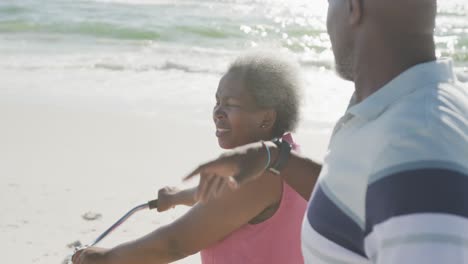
x=263 y=126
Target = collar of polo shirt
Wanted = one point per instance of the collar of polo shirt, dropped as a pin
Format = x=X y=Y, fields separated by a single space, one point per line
x=416 y=77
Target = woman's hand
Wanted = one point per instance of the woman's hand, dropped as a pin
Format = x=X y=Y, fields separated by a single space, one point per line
x=167 y=198
x=241 y=165
x=91 y=255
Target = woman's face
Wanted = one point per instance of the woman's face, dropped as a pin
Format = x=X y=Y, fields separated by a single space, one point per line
x=238 y=119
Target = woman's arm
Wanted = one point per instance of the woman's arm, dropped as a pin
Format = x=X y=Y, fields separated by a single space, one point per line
x=246 y=163
x=301 y=174
x=204 y=225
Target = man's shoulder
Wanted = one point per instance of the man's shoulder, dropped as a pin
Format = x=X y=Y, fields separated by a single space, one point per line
x=429 y=125
x=440 y=107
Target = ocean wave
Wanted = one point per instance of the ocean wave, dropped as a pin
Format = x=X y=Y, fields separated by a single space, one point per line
x=209 y=32
x=216 y=25
x=166 y=66
x=95 y=29
x=13 y=10
x=119 y=31
x=110 y=66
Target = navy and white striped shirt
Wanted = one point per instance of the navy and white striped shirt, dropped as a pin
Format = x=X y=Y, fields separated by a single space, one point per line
x=394 y=183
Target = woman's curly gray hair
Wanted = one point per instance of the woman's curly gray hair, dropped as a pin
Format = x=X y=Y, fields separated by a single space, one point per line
x=274 y=82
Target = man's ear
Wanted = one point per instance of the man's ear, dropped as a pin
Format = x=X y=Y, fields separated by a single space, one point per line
x=269 y=119
x=355 y=11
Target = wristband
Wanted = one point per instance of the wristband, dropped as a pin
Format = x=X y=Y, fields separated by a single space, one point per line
x=268 y=155
x=284 y=149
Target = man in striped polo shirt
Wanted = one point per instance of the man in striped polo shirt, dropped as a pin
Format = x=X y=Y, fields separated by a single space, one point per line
x=394 y=184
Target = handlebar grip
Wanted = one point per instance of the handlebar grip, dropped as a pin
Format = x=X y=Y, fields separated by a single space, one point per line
x=153 y=204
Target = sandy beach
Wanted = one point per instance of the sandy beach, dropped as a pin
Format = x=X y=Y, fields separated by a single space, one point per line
x=57 y=164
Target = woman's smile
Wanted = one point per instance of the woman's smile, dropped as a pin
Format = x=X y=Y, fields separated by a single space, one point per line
x=220 y=132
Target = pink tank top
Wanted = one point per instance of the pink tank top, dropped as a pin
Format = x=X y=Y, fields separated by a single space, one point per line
x=276 y=240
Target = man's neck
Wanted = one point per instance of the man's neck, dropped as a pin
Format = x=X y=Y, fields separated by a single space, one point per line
x=381 y=59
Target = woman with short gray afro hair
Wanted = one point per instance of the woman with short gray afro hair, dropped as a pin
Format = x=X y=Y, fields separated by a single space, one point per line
x=274 y=82
x=257 y=99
